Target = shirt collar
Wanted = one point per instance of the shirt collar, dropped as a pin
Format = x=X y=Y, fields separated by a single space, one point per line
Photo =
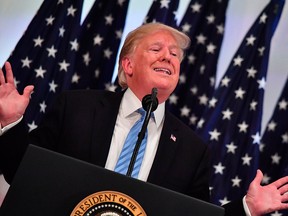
x=130 y=103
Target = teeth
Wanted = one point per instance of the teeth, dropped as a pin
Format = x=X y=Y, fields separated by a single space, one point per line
x=164 y=70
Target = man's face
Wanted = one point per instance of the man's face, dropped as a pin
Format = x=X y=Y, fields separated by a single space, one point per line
x=154 y=63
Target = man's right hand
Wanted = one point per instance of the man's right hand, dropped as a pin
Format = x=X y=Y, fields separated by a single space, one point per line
x=12 y=104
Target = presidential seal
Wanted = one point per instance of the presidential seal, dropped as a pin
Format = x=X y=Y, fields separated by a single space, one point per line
x=108 y=203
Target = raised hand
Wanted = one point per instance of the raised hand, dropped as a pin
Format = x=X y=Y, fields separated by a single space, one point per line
x=12 y=104
x=269 y=198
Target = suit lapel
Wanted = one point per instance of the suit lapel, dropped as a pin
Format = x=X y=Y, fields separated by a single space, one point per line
x=105 y=115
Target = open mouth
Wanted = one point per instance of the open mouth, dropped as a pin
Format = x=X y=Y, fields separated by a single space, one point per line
x=163 y=70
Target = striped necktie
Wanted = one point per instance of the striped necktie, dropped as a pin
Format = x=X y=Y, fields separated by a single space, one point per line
x=128 y=147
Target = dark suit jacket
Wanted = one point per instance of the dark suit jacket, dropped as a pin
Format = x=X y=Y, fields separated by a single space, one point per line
x=81 y=125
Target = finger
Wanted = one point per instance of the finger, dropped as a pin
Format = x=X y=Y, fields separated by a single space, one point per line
x=2 y=78
x=28 y=90
x=285 y=198
x=280 y=182
x=283 y=189
x=258 y=178
x=9 y=73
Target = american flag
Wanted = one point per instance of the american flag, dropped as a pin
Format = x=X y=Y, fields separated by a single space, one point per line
x=231 y=124
x=274 y=142
x=99 y=40
x=163 y=11
x=45 y=54
x=203 y=22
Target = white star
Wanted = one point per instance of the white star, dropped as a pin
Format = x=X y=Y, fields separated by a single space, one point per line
x=224 y=201
x=276 y=213
x=266 y=179
x=119 y=34
x=200 y=123
x=238 y=60
x=214 y=134
x=256 y=138
x=51 y=51
x=212 y=102
x=97 y=73
x=186 y=27
x=239 y=93
x=272 y=125
x=201 y=39
x=38 y=41
x=251 y=72
x=26 y=62
x=16 y=82
x=227 y=114
x=250 y=40
x=203 y=99
x=61 y=31
x=253 y=105
x=98 y=40
x=164 y=3
x=275 y=158
x=173 y=99
x=109 y=19
x=64 y=65
x=75 y=78
x=210 y=48
x=191 y=58
x=196 y=7
x=107 y=53
x=231 y=148
x=53 y=86
x=74 y=45
x=243 y=127
x=219 y=168
x=220 y=29
x=32 y=126
x=263 y=18
x=182 y=79
x=86 y=58
x=246 y=159
x=43 y=107
x=110 y=87
x=185 y=111
x=261 y=51
x=50 y=20
x=194 y=90
x=236 y=182
x=285 y=138
x=210 y=19
x=261 y=83
x=71 y=11
x=40 y=72
x=283 y=104
x=202 y=70
x=225 y=81
x=193 y=119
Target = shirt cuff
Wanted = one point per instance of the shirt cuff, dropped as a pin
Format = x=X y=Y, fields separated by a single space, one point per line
x=6 y=128
x=246 y=209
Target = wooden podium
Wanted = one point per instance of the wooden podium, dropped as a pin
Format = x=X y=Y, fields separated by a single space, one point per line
x=49 y=183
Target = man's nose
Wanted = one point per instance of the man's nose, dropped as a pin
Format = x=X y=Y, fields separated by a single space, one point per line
x=166 y=55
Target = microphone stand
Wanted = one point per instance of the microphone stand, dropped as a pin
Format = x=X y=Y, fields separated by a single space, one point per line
x=149 y=103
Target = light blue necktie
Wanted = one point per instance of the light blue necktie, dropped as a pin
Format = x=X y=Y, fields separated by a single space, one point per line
x=128 y=147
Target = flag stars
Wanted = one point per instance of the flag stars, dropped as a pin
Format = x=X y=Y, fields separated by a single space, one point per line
x=71 y=11
x=40 y=72
x=231 y=148
x=51 y=51
x=224 y=201
x=185 y=111
x=203 y=99
x=243 y=127
x=200 y=123
x=38 y=41
x=97 y=73
x=246 y=160
x=194 y=90
x=261 y=51
x=214 y=135
x=173 y=99
x=256 y=138
x=263 y=18
x=227 y=114
x=86 y=58
x=220 y=29
x=239 y=93
x=164 y=4
x=43 y=107
x=210 y=48
x=32 y=126
x=26 y=62
x=238 y=61
x=193 y=119
x=251 y=72
x=107 y=53
x=283 y=104
x=119 y=34
x=64 y=65
x=225 y=81
x=74 y=45
x=271 y=126
x=97 y=40
x=109 y=19
x=219 y=168
x=275 y=158
x=201 y=39
x=253 y=105
x=196 y=7
x=61 y=31
x=75 y=78
x=191 y=59
x=210 y=19
x=182 y=79
x=236 y=182
x=50 y=20
x=261 y=83
x=186 y=27
x=53 y=86
x=250 y=40
x=266 y=179
x=212 y=102
x=285 y=138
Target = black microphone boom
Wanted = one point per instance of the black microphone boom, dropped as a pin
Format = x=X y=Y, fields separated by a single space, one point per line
x=149 y=104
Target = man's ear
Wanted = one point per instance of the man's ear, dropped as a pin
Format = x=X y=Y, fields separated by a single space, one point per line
x=127 y=66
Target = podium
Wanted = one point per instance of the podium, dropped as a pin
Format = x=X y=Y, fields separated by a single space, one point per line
x=49 y=183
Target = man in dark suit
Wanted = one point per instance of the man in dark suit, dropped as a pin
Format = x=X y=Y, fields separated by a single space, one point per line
x=92 y=125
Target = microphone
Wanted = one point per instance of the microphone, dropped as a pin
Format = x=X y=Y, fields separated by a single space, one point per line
x=149 y=104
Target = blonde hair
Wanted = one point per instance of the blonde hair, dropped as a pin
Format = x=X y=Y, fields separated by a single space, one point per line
x=134 y=36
